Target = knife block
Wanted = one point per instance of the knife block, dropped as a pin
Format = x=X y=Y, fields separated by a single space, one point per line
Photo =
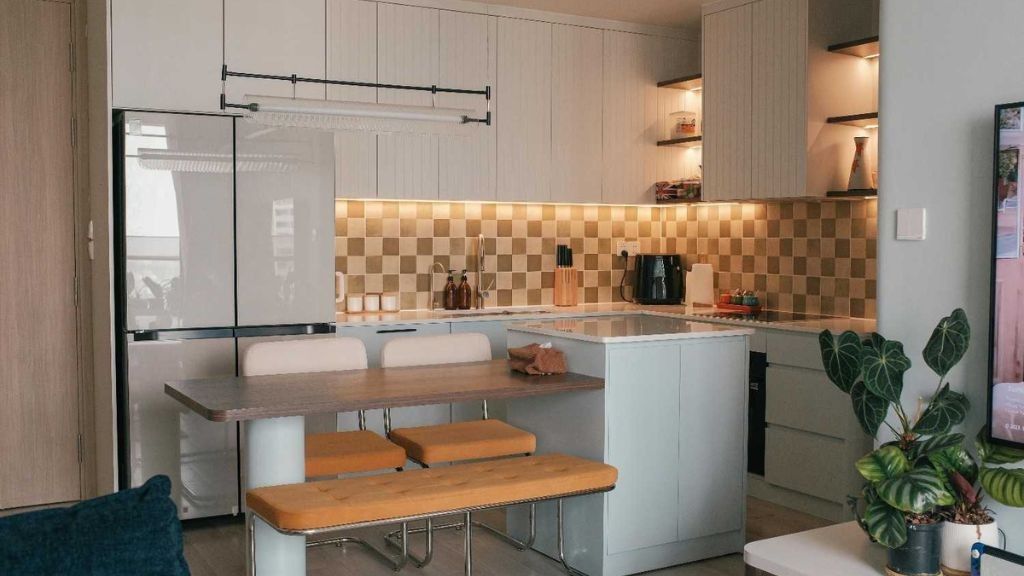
x=566 y=283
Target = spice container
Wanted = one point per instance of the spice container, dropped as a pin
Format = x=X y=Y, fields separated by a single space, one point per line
x=371 y=302
x=354 y=303
x=389 y=302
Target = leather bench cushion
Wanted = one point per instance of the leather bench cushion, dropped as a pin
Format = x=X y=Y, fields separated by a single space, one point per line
x=346 y=501
x=334 y=453
x=464 y=441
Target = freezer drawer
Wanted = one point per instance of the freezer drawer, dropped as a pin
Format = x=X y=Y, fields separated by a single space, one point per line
x=200 y=457
x=285 y=219
x=178 y=212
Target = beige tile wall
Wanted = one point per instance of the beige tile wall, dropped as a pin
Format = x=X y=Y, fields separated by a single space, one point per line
x=802 y=256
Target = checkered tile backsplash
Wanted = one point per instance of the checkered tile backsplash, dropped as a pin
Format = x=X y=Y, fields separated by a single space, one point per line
x=803 y=256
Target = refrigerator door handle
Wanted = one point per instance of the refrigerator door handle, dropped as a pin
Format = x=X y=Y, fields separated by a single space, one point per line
x=285 y=330
x=180 y=334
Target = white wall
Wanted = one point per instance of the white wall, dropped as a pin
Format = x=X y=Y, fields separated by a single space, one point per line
x=945 y=64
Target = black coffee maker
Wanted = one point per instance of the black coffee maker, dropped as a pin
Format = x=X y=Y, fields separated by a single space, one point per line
x=659 y=279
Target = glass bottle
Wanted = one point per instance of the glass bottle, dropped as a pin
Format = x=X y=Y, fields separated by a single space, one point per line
x=465 y=293
x=451 y=293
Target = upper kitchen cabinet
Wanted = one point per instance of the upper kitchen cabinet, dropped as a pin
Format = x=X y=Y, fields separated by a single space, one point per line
x=275 y=37
x=468 y=60
x=769 y=86
x=523 y=113
x=634 y=114
x=576 y=113
x=352 y=55
x=727 y=104
x=152 y=68
x=407 y=49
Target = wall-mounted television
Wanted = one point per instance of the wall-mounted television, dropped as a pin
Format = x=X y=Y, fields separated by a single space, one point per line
x=1006 y=319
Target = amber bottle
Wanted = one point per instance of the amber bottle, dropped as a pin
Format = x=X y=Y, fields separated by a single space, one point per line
x=451 y=293
x=465 y=293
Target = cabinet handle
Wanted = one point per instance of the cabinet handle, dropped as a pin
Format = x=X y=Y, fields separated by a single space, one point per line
x=395 y=330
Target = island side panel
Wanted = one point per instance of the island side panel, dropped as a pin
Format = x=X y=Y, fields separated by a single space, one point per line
x=572 y=423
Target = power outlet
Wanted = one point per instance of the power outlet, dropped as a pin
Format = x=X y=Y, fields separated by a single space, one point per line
x=630 y=246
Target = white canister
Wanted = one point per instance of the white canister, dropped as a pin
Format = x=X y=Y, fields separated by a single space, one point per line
x=354 y=303
x=371 y=302
x=389 y=302
x=957 y=540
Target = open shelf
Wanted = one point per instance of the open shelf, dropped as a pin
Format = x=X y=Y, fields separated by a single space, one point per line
x=867 y=120
x=687 y=142
x=851 y=193
x=691 y=82
x=863 y=48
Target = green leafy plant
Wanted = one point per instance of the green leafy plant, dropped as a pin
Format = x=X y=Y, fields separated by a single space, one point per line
x=971 y=481
x=909 y=479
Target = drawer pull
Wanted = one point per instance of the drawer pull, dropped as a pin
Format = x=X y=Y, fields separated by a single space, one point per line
x=395 y=330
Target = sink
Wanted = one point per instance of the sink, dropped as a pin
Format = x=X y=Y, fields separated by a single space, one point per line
x=486 y=312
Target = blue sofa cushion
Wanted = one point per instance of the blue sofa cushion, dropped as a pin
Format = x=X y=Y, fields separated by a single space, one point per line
x=133 y=532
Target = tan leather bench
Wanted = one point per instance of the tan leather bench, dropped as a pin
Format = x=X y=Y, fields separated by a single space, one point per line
x=330 y=505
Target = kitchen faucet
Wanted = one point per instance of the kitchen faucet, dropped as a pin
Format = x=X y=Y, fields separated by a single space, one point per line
x=481 y=292
x=432 y=297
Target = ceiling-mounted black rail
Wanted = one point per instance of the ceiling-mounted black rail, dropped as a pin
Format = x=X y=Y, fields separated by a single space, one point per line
x=294 y=79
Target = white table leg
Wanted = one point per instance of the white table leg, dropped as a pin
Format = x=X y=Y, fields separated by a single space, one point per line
x=275 y=454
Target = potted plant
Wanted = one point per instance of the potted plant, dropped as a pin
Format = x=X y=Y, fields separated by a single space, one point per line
x=968 y=520
x=906 y=484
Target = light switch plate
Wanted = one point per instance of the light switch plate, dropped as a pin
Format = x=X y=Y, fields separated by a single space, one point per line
x=911 y=224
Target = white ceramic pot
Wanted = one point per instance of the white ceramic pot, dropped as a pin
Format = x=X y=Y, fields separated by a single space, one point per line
x=957 y=540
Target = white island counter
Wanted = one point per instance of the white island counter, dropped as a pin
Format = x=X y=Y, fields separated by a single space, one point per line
x=672 y=418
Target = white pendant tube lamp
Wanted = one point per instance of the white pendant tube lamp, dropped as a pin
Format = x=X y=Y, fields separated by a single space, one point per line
x=357 y=116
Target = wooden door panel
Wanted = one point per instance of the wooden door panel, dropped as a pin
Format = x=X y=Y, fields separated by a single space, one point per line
x=38 y=332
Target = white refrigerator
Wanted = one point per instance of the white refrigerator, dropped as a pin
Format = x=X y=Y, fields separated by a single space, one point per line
x=224 y=231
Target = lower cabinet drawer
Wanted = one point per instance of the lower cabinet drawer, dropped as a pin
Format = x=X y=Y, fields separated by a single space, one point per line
x=808 y=463
x=805 y=400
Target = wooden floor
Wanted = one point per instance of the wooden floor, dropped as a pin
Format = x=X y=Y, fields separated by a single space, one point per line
x=215 y=548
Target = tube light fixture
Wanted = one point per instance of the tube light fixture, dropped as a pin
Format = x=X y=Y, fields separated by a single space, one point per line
x=357 y=116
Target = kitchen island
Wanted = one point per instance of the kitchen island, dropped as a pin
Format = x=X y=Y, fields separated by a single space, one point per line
x=672 y=419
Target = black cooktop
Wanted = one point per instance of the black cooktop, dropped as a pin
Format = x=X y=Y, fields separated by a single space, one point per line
x=764 y=316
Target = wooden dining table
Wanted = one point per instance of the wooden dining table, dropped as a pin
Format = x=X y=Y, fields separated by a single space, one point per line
x=274 y=409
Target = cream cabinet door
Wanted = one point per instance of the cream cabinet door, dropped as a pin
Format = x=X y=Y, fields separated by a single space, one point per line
x=407 y=53
x=576 y=113
x=727 y=104
x=468 y=53
x=151 y=68
x=778 y=137
x=627 y=176
x=523 y=113
x=352 y=55
x=275 y=37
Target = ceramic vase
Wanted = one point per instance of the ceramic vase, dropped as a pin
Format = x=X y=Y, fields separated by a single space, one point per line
x=860 y=171
x=957 y=540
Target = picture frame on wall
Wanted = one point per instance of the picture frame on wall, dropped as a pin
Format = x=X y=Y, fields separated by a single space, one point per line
x=1009 y=119
x=1008 y=215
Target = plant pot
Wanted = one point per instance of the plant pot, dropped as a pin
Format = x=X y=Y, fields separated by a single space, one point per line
x=920 y=555
x=957 y=540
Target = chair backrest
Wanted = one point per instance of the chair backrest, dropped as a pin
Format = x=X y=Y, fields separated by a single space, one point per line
x=304 y=355
x=439 y=349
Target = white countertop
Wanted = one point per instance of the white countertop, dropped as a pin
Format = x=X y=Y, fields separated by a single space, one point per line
x=841 y=550
x=525 y=313
x=633 y=327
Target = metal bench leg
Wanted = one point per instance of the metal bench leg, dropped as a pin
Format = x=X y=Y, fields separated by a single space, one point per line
x=250 y=533
x=561 y=545
x=395 y=539
x=395 y=564
x=518 y=544
x=468 y=523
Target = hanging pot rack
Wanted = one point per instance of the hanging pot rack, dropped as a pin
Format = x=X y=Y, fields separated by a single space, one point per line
x=295 y=79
